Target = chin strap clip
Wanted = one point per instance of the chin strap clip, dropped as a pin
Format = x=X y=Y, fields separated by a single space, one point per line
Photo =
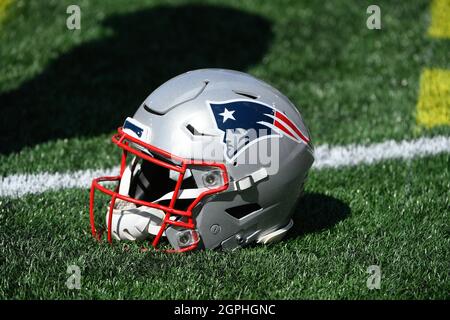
x=248 y=181
x=276 y=235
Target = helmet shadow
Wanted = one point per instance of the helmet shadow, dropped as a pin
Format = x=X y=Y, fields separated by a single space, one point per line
x=92 y=88
x=316 y=212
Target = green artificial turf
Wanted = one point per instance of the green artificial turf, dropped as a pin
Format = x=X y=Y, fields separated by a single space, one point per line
x=352 y=85
x=63 y=93
x=391 y=214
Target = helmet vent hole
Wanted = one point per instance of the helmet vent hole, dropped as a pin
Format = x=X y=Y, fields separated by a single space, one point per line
x=242 y=211
x=147 y=108
x=246 y=94
x=193 y=131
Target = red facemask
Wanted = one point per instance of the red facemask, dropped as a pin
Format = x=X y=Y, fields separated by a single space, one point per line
x=173 y=217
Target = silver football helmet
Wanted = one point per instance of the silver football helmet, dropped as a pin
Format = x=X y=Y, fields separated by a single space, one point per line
x=218 y=160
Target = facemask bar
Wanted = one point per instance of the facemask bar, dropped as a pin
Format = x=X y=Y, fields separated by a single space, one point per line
x=125 y=141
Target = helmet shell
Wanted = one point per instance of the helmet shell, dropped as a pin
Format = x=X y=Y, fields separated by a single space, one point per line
x=182 y=105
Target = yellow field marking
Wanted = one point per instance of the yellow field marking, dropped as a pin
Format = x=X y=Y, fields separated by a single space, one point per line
x=440 y=19
x=433 y=107
x=3 y=5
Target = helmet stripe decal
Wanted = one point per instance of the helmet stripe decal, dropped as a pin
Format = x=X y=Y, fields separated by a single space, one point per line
x=291 y=125
x=283 y=128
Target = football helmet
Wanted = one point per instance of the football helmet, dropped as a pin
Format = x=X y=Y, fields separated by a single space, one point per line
x=211 y=159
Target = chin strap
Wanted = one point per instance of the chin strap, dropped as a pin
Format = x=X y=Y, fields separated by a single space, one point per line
x=132 y=223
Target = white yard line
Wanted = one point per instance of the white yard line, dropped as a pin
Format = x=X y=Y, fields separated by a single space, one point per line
x=353 y=154
x=17 y=185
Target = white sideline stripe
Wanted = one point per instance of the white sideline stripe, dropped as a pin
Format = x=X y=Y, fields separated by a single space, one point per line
x=17 y=185
x=351 y=155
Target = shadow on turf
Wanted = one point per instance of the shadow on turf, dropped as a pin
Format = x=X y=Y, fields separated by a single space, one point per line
x=316 y=212
x=92 y=88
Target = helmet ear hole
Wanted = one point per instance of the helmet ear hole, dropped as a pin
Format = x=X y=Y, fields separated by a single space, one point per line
x=242 y=211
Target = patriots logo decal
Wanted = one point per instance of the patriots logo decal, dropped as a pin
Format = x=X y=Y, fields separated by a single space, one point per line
x=245 y=122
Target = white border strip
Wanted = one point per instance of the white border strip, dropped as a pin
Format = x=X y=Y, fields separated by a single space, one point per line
x=17 y=185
